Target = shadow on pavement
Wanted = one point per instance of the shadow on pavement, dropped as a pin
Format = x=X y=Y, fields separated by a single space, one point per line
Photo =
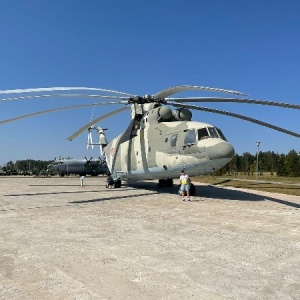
x=212 y=192
x=111 y=198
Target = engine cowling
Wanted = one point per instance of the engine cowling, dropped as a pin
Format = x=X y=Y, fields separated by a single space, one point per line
x=182 y=114
x=160 y=114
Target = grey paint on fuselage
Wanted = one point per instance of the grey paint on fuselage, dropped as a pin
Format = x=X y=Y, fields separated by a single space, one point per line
x=150 y=154
x=79 y=166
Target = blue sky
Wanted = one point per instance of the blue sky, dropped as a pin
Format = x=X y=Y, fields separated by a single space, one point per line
x=142 y=47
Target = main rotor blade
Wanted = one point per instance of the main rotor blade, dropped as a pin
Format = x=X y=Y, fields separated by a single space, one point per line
x=234 y=100
x=62 y=96
x=58 y=109
x=52 y=89
x=93 y=122
x=222 y=112
x=182 y=88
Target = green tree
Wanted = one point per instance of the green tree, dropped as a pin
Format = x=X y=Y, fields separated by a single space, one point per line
x=246 y=161
x=292 y=164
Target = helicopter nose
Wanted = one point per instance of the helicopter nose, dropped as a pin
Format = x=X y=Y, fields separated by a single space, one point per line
x=220 y=150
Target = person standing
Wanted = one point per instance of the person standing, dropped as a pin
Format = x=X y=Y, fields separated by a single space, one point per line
x=185 y=185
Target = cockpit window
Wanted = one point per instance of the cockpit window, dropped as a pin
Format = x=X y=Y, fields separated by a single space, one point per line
x=221 y=134
x=210 y=132
x=213 y=132
x=202 y=134
x=190 y=137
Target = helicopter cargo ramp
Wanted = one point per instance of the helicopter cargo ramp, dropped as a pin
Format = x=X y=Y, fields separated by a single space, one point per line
x=63 y=238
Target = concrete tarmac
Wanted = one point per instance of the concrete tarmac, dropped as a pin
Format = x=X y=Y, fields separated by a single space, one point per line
x=61 y=240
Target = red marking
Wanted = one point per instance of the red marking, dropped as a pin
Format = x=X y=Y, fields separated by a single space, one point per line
x=112 y=151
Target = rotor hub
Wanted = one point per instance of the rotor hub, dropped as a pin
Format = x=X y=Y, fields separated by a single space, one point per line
x=145 y=99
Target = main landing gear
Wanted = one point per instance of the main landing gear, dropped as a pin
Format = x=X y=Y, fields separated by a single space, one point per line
x=114 y=183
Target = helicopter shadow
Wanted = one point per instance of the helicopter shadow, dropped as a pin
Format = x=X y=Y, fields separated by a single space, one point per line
x=216 y=193
x=207 y=191
x=149 y=186
x=233 y=195
x=110 y=198
x=49 y=193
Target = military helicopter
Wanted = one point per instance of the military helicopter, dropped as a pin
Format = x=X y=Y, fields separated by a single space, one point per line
x=159 y=142
x=82 y=167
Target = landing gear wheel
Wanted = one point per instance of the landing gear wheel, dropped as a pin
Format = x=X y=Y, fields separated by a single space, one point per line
x=117 y=183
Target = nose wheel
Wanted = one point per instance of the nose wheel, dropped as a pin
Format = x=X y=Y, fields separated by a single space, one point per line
x=117 y=183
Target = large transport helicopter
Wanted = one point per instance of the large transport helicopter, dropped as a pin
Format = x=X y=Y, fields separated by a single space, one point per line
x=159 y=142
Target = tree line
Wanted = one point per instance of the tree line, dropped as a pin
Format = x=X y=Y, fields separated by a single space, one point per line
x=268 y=162
x=271 y=162
x=25 y=167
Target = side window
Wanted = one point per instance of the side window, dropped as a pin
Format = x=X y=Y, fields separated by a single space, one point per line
x=202 y=134
x=173 y=140
x=190 y=137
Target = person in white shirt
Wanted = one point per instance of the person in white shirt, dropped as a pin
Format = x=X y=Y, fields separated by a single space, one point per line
x=185 y=185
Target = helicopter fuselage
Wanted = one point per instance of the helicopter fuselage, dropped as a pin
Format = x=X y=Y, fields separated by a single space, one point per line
x=161 y=150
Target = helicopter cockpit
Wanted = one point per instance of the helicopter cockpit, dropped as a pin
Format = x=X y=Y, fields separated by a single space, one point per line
x=192 y=135
x=210 y=132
